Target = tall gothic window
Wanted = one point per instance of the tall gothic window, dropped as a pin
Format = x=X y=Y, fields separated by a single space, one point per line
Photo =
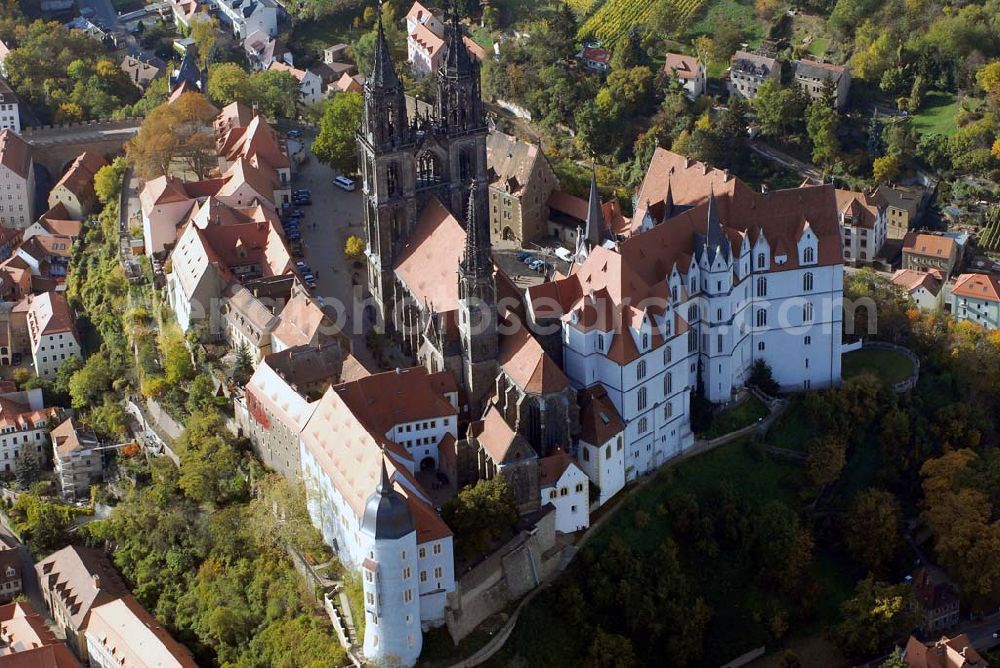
x=428 y=169
x=465 y=165
x=807 y=282
x=392 y=178
x=762 y=287
x=761 y=318
x=809 y=255
x=760 y=260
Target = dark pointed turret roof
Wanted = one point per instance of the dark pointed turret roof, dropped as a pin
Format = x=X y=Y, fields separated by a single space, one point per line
x=387 y=515
x=595 y=214
x=383 y=70
x=477 y=260
x=715 y=238
x=458 y=62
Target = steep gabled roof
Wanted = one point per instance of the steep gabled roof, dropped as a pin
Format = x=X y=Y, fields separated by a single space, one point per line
x=15 y=153
x=977 y=286
x=528 y=366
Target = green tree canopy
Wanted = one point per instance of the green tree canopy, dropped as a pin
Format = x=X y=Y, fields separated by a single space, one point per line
x=335 y=145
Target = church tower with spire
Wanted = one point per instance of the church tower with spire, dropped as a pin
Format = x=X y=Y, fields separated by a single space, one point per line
x=458 y=108
x=411 y=152
x=595 y=232
x=385 y=142
x=477 y=305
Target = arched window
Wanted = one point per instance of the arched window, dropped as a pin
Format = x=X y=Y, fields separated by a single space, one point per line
x=809 y=255
x=641 y=401
x=694 y=286
x=392 y=178
x=760 y=260
x=666 y=354
x=465 y=165
x=645 y=341
x=693 y=313
x=761 y=318
x=762 y=286
x=428 y=169
x=643 y=425
x=668 y=384
x=640 y=370
x=807 y=313
x=807 y=282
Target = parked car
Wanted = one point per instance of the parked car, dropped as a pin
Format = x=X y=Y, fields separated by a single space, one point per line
x=16 y=358
x=303 y=201
x=301 y=265
x=296 y=248
x=537 y=265
x=564 y=254
x=528 y=259
x=344 y=183
x=302 y=192
x=294 y=134
x=522 y=256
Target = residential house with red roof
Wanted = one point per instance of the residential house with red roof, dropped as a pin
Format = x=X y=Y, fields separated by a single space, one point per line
x=10 y=114
x=212 y=253
x=52 y=331
x=923 y=251
x=425 y=40
x=77 y=458
x=74 y=581
x=11 y=584
x=976 y=298
x=310 y=83
x=122 y=633
x=24 y=427
x=26 y=641
x=563 y=485
x=75 y=190
x=954 y=652
x=863 y=225
x=688 y=71
x=17 y=179
x=926 y=288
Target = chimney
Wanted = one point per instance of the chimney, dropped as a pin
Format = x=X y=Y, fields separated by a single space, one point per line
x=97 y=580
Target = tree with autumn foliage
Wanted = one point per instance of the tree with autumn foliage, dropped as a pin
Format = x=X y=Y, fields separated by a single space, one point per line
x=175 y=137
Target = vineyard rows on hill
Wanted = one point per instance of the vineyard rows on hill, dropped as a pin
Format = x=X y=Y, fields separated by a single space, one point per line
x=615 y=18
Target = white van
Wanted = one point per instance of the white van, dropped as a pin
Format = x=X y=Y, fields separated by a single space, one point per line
x=344 y=183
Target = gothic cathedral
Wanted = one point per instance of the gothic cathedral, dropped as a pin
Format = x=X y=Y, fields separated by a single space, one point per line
x=409 y=156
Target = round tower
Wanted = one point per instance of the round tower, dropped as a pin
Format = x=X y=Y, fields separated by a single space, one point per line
x=389 y=578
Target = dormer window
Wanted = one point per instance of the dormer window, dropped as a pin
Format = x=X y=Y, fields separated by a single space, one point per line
x=809 y=256
x=760 y=260
x=645 y=341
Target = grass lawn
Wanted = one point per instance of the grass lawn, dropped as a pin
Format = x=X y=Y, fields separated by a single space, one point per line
x=937 y=115
x=744 y=414
x=739 y=12
x=819 y=46
x=793 y=431
x=889 y=365
x=482 y=37
x=315 y=35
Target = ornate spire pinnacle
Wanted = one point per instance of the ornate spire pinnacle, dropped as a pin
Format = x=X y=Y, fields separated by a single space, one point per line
x=383 y=484
x=715 y=238
x=383 y=70
x=595 y=215
x=477 y=243
x=458 y=62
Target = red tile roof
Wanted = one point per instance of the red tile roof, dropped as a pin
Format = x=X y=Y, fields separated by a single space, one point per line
x=928 y=245
x=530 y=367
x=551 y=468
x=977 y=286
x=427 y=263
x=681 y=66
x=15 y=154
x=599 y=420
